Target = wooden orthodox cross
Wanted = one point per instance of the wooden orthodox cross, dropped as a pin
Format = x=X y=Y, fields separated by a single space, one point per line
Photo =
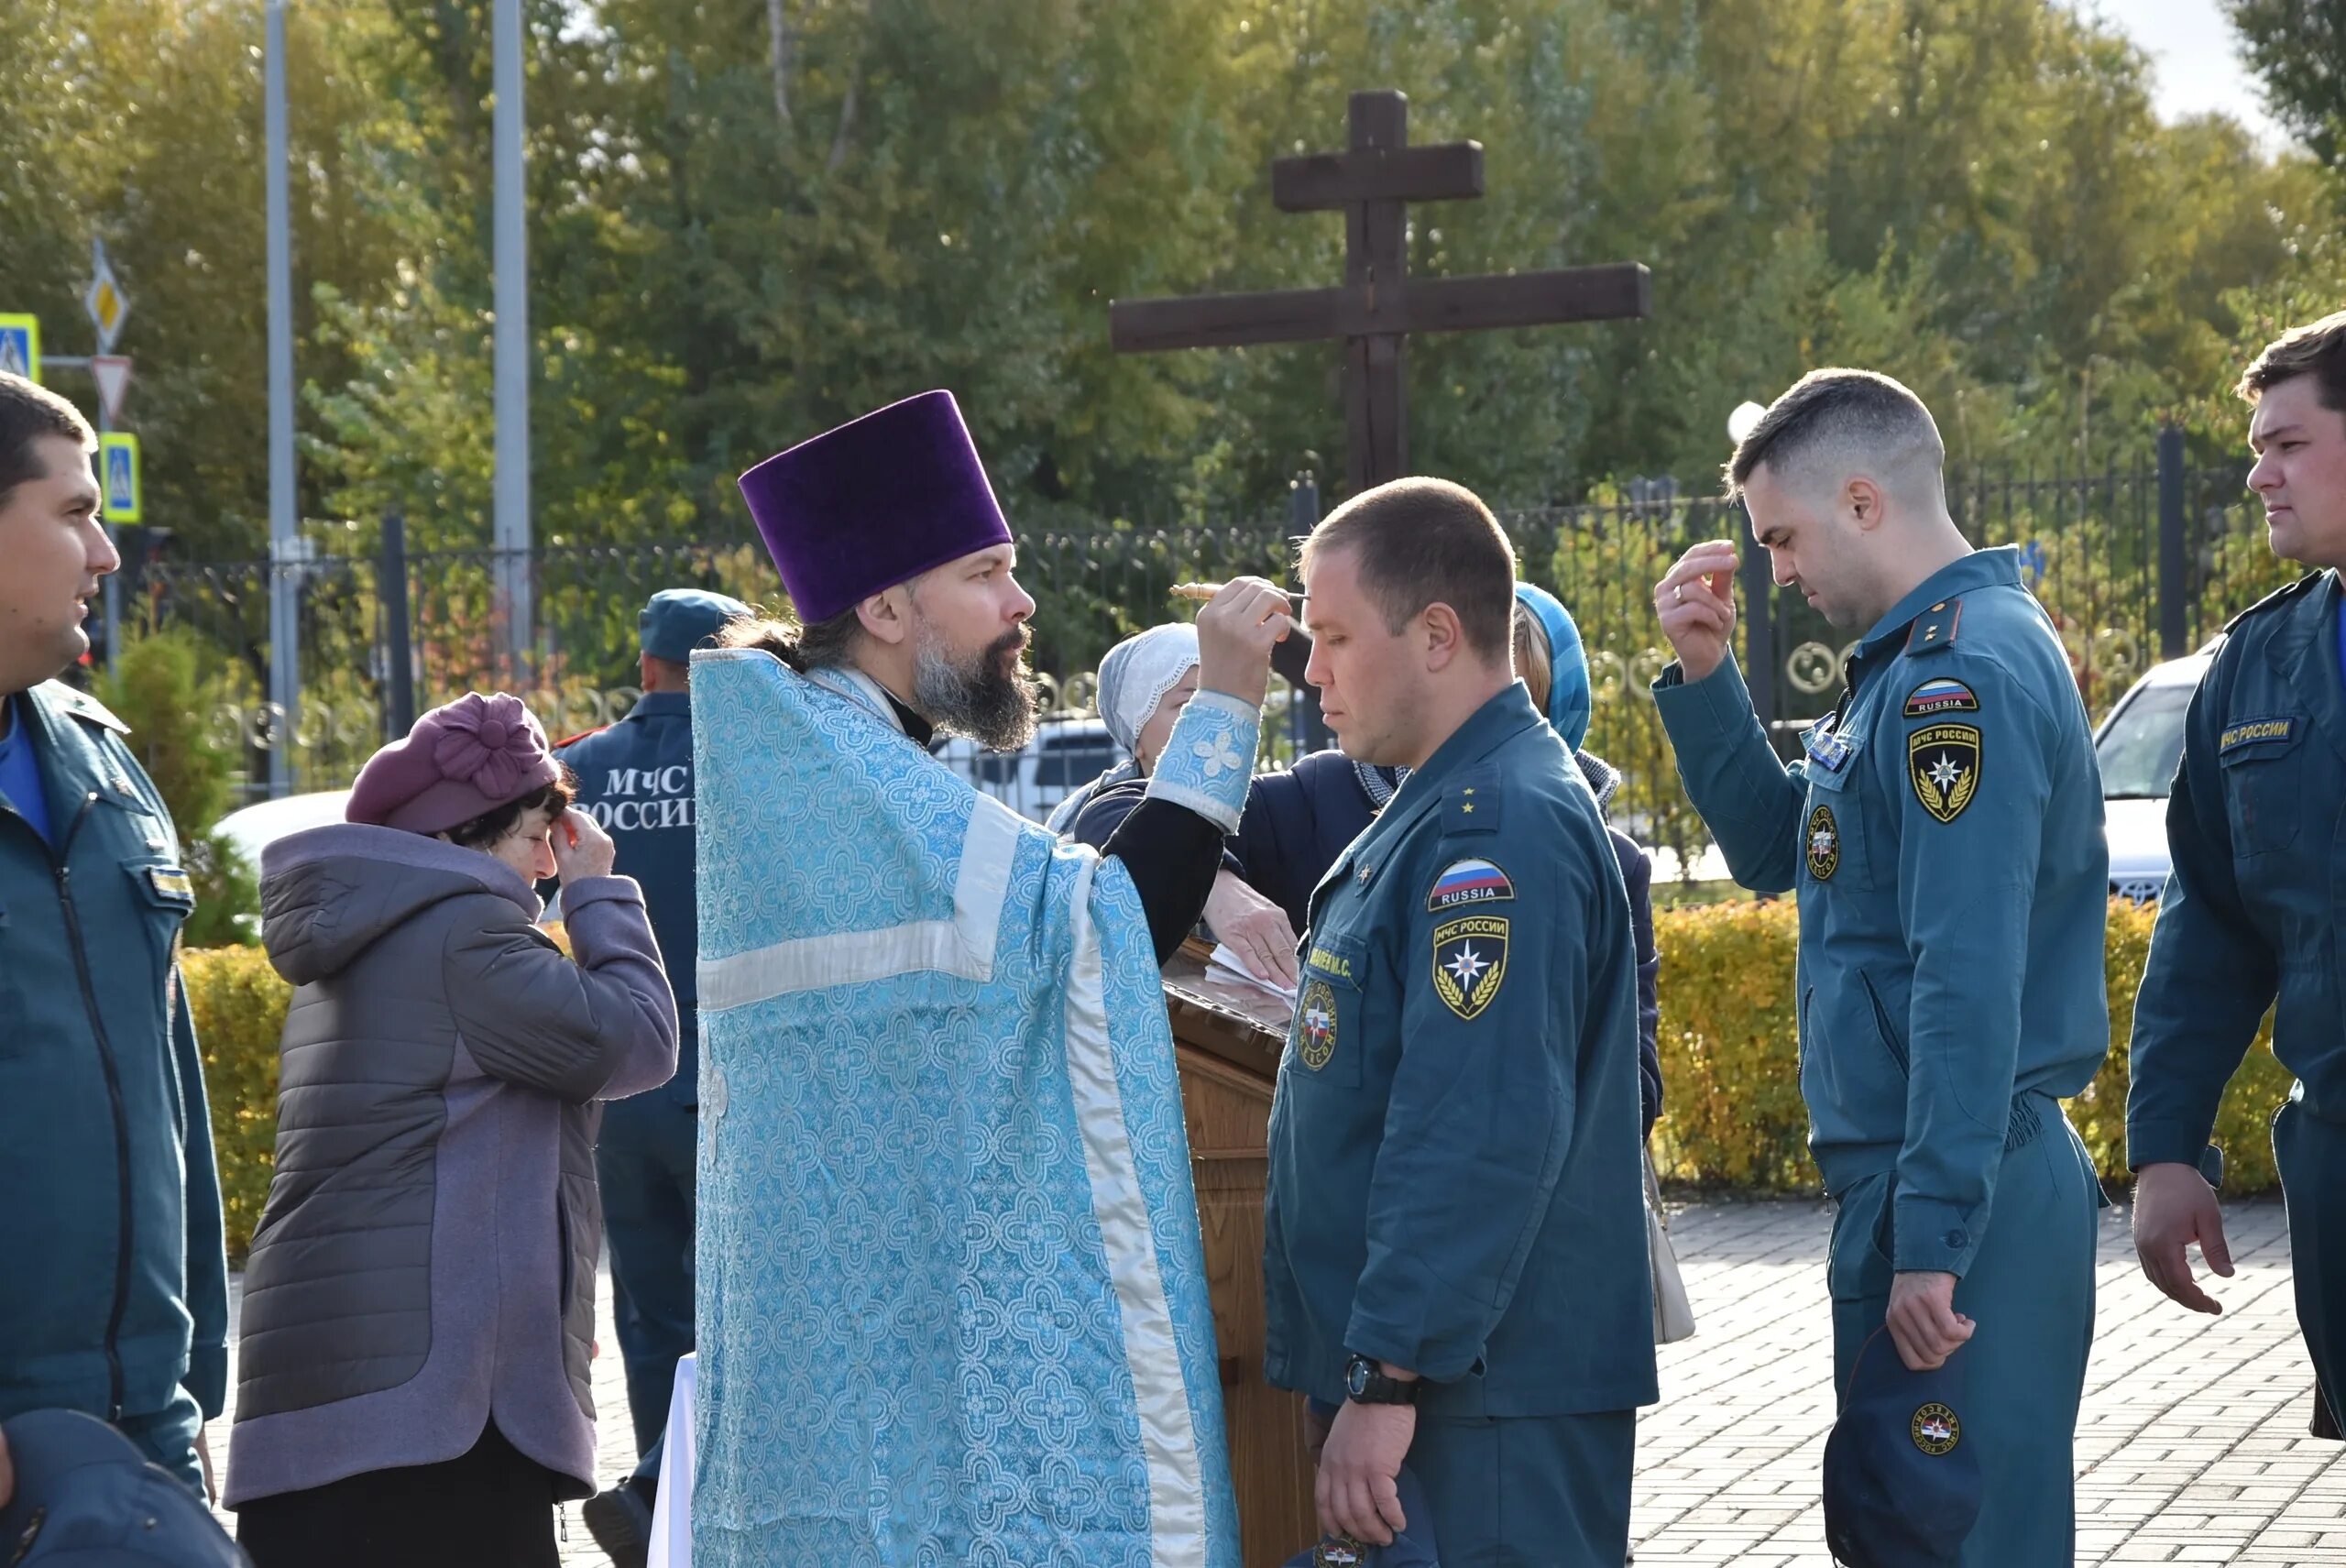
x=1376 y=308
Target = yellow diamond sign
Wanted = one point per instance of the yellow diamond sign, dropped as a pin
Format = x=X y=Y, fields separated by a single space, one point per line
x=107 y=305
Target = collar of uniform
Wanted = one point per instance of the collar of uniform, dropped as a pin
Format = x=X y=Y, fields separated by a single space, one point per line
x=660 y=705
x=1503 y=717
x=1980 y=569
x=2304 y=648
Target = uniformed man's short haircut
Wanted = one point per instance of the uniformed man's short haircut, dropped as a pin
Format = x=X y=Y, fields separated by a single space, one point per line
x=28 y=412
x=2319 y=351
x=1425 y=542
x=1836 y=422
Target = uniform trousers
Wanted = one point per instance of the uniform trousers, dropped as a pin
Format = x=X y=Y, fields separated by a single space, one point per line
x=2311 y=1153
x=2030 y=1289
x=1529 y=1491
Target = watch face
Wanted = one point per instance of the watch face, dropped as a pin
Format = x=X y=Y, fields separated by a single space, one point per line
x=1357 y=1379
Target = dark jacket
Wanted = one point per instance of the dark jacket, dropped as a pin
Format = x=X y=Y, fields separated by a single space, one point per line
x=2252 y=913
x=1299 y=821
x=109 y=1226
x=635 y=778
x=428 y=1251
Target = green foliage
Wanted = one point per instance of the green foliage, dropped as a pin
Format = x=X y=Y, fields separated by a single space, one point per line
x=239 y=1006
x=2300 y=48
x=1730 y=1056
x=157 y=687
x=737 y=239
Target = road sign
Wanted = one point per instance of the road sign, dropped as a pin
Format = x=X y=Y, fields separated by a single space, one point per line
x=112 y=372
x=118 y=477
x=105 y=301
x=20 y=347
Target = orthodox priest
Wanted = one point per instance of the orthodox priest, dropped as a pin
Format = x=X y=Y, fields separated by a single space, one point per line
x=951 y=1286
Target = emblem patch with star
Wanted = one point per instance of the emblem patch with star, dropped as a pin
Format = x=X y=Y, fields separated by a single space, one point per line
x=1469 y=961
x=1315 y=1024
x=1943 y=762
x=1935 y=1429
x=1823 y=844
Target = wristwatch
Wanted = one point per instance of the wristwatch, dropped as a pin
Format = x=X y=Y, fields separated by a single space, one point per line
x=1364 y=1385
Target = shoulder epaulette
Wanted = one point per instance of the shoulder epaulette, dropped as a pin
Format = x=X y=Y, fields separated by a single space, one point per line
x=79 y=705
x=1934 y=628
x=570 y=740
x=1471 y=803
x=2277 y=596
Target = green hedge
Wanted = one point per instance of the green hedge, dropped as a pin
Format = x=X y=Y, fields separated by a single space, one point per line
x=1729 y=1056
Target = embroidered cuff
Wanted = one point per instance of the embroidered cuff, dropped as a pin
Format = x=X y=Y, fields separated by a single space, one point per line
x=1210 y=761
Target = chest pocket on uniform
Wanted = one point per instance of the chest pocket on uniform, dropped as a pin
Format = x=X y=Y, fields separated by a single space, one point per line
x=1324 y=1044
x=1832 y=848
x=2262 y=760
x=167 y=897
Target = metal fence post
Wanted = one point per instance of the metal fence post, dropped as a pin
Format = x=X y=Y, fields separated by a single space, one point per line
x=1759 y=623
x=398 y=655
x=1305 y=726
x=2174 y=558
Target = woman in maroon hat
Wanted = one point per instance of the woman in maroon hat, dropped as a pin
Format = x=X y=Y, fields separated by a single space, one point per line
x=417 y=1308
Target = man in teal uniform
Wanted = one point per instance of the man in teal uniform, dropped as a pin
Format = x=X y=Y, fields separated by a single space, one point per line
x=1455 y=1255
x=1944 y=830
x=2251 y=915
x=635 y=778
x=115 y=1296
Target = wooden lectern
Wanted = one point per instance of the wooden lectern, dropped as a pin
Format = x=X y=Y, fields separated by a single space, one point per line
x=1228 y=1037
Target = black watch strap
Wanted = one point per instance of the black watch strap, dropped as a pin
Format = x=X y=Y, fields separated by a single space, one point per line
x=1365 y=1384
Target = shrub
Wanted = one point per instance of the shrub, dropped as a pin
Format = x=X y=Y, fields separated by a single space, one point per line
x=157 y=687
x=239 y=1006
x=1730 y=1057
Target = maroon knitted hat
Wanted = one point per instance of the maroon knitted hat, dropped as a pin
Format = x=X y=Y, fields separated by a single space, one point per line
x=460 y=762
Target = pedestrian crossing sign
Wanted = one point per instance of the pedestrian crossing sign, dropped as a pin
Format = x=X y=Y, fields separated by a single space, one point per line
x=20 y=345
x=118 y=477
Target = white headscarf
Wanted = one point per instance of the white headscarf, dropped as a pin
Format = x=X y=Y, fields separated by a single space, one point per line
x=1138 y=672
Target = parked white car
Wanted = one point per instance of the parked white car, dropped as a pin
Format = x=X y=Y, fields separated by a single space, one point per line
x=2139 y=747
x=253 y=827
x=1066 y=754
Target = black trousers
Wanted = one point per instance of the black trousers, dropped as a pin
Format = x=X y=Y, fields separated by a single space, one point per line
x=494 y=1508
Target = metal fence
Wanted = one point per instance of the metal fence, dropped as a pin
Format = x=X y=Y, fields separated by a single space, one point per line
x=2134 y=565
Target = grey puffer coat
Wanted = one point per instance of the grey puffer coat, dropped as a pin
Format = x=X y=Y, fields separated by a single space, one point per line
x=427 y=1254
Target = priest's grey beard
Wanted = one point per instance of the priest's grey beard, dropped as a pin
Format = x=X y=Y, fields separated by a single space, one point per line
x=989 y=697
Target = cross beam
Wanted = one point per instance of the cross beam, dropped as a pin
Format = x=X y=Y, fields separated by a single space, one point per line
x=1376 y=307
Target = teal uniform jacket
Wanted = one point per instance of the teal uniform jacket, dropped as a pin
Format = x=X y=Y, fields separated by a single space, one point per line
x=635 y=778
x=1945 y=832
x=2251 y=911
x=115 y=1289
x=1455 y=1185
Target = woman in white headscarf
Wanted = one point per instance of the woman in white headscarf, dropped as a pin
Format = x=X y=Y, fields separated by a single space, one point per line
x=1144 y=682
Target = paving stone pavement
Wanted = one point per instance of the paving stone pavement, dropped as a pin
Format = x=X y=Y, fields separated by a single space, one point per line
x=2191 y=1447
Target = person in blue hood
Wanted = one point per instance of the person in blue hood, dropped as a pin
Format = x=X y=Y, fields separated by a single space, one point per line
x=115 y=1295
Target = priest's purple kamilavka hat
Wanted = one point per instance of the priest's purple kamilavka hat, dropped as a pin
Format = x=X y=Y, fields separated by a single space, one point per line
x=874 y=503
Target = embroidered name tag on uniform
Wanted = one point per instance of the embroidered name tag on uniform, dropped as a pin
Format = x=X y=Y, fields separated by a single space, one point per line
x=171 y=881
x=1335 y=963
x=1315 y=1024
x=1469 y=961
x=1468 y=882
x=1943 y=761
x=2256 y=733
x=1940 y=696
